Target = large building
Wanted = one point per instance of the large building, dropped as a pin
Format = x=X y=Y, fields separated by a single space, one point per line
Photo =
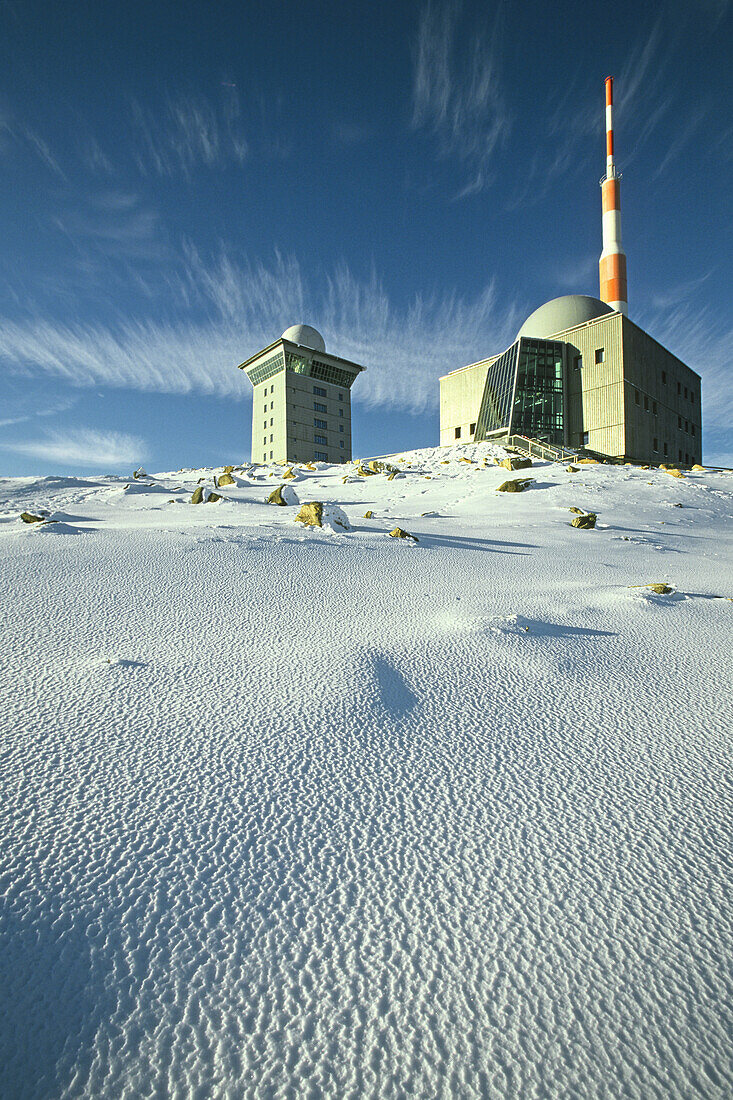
x=301 y=405
x=580 y=373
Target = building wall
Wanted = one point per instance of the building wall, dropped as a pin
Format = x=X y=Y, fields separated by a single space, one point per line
x=594 y=406
x=268 y=404
x=460 y=400
x=662 y=402
x=301 y=445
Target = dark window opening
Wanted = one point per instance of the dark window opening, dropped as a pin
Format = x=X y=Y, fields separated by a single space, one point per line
x=679 y=421
x=655 y=444
x=679 y=387
x=693 y=429
x=600 y=355
x=654 y=407
x=665 y=450
x=320 y=391
x=637 y=398
x=578 y=362
x=472 y=429
x=687 y=458
x=685 y=393
x=586 y=438
x=646 y=403
x=664 y=377
x=458 y=433
x=680 y=458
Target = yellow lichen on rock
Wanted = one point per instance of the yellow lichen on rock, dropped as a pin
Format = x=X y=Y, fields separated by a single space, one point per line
x=698 y=467
x=399 y=533
x=226 y=479
x=368 y=515
x=212 y=498
x=276 y=497
x=675 y=473
x=311 y=514
x=289 y=474
x=518 y=485
x=510 y=463
x=578 y=511
x=572 y=469
x=464 y=459
x=587 y=461
x=197 y=495
x=29 y=517
x=585 y=522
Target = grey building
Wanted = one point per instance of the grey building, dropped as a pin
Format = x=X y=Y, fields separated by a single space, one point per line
x=579 y=374
x=301 y=405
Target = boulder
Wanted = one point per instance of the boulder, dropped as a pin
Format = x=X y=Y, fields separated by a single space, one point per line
x=572 y=469
x=212 y=498
x=660 y=589
x=398 y=533
x=698 y=467
x=674 y=473
x=518 y=485
x=587 y=461
x=140 y=472
x=198 y=495
x=585 y=522
x=284 y=495
x=228 y=469
x=226 y=479
x=363 y=471
x=510 y=463
x=578 y=511
x=289 y=474
x=29 y=517
x=369 y=515
x=314 y=513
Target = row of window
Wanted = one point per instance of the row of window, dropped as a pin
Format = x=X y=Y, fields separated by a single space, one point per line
x=690 y=428
x=471 y=431
x=686 y=458
x=680 y=391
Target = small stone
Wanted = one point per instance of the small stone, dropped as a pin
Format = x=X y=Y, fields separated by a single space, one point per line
x=578 y=511
x=675 y=473
x=587 y=461
x=518 y=485
x=516 y=463
x=140 y=472
x=698 y=467
x=398 y=533
x=572 y=469
x=289 y=474
x=29 y=517
x=228 y=469
x=212 y=498
x=392 y=476
x=369 y=515
x=661 y=589
x=584 y=522
x=468 y=460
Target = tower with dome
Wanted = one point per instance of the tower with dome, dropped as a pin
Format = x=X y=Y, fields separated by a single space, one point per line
x=301 y=401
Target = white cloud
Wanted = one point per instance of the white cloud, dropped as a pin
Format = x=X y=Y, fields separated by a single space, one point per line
x=405 y=348
x=83 y=447
x=187 y=133
x=457 y=93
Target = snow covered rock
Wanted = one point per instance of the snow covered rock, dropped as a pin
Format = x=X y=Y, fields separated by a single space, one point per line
x=226 y=479
x=510 y=463
x=283 y=495
x=314 y=513
x=29 y=517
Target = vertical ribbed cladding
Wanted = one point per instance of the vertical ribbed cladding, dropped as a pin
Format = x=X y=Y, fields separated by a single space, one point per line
x=612 y=265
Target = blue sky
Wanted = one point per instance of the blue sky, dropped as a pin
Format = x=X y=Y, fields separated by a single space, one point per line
x=184 y=181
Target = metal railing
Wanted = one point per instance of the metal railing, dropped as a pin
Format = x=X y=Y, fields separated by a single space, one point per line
x=536 y=449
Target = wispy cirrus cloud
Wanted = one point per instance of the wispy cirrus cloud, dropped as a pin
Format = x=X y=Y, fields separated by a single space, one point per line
x=83 y=447
x=15 y=131
x=246 y=306
x=188 y=132
x=457 y=93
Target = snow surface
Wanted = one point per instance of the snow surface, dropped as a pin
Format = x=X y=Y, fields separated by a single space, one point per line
x=296 y=813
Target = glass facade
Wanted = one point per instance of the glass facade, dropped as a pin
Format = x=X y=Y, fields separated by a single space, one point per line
x=262 y=371
x=538 y=404
x=324 y=372
x=523 y=394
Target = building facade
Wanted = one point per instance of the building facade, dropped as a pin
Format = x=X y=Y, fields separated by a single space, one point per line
x=301 y=402
x=580 y=374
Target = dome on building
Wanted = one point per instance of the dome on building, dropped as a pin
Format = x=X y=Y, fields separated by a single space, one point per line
x=306 y=336
x=562 y=313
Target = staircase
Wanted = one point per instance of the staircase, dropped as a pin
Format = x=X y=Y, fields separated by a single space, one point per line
x=535 y=449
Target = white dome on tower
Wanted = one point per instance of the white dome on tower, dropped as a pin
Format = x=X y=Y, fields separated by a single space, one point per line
x=306 y=336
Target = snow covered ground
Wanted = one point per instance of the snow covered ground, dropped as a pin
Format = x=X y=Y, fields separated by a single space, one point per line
x=293 y=813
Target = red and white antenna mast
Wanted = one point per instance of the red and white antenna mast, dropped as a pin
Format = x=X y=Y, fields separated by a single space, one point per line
x=612 y=265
